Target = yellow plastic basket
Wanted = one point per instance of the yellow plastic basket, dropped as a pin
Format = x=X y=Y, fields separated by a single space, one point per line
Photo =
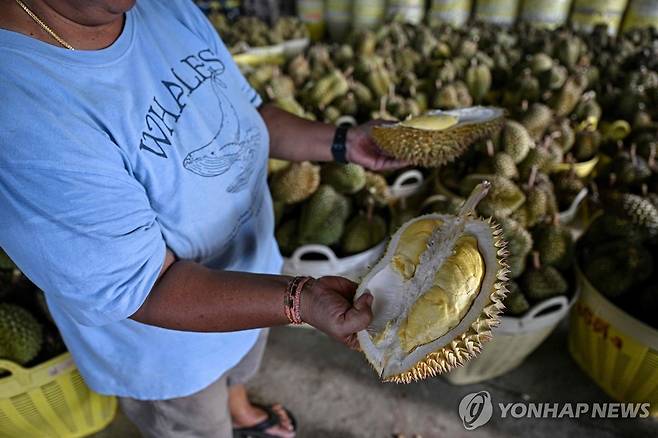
x=616 y=350
x=50 y=400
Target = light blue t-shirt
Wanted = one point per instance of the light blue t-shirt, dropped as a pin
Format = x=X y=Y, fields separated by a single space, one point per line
x=110 y=156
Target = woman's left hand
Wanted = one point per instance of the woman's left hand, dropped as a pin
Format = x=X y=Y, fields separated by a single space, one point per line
x=362 y=149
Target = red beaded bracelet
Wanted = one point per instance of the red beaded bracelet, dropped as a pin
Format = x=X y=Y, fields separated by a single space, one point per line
x=292 y=299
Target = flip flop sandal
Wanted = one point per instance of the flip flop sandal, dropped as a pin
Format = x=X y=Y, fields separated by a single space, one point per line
x=258 y=430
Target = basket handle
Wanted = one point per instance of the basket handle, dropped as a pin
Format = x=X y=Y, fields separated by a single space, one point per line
x=413 y=178
x=559 y=302
x=580 y=197
x=432 y=199
x=314 y=249
x=16 y=370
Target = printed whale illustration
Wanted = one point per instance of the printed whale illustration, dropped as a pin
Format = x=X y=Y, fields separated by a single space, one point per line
x=220 y=154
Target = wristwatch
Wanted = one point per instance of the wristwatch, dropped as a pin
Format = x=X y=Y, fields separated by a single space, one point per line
x=339 y=147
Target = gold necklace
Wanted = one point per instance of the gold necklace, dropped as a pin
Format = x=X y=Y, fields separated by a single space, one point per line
x=43 y=25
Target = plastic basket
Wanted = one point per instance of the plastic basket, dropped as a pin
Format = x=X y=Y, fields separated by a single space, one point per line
x=546 y=13
x=616 y=350
x=641 y=13
x=352 y=267
x=588 y=13
x=501 y=12
x=50 y=400
x=513 y=340
x=453 y=12
x=407 y=184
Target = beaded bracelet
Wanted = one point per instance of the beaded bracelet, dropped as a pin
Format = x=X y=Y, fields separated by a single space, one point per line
x=292 y=299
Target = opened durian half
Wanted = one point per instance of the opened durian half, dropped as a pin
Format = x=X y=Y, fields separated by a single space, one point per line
x=438 y=137
x=438 y=291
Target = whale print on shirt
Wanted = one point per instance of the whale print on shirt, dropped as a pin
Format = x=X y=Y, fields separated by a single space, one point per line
x=225 y=149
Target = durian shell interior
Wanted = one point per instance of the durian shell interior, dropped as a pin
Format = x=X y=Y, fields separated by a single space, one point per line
x=386 y=286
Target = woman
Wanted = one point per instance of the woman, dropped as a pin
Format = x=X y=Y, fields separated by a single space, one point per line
x=133 y=192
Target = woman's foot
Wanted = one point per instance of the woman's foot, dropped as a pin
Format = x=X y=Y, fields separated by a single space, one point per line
x=244 y=414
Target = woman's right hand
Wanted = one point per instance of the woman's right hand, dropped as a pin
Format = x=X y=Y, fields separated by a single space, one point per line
x=327 y=304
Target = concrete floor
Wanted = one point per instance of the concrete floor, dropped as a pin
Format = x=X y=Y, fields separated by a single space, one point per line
x=337 y=395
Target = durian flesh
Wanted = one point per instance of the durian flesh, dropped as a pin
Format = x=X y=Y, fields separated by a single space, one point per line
x=438 y=137
x=437 y=292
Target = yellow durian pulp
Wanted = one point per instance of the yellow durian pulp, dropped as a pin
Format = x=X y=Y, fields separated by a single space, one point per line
x=431 y=122
x=413 y=242
x=455 y=287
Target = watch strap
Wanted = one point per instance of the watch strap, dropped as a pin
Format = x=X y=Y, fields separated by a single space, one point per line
x=339 y=145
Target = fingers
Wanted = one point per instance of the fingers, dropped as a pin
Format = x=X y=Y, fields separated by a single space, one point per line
x=358 y=317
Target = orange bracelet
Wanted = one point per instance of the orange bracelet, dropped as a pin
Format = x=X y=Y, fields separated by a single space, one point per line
x=292 y=299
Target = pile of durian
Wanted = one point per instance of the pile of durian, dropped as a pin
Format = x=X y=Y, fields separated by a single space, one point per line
x=582 y=113
x=618 y=252
x=342 y=206
x=248 y=32
x=28 y=335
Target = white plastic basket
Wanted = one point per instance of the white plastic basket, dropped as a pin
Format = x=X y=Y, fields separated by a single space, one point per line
x=513 y=340
x=352 y=267
x=407 y=184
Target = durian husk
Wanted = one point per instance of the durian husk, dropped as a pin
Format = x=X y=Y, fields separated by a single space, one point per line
x=464 y=341
x=436 y=147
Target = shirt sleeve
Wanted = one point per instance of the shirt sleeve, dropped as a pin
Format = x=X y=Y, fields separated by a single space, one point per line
x=199 y=23
x=77 y=223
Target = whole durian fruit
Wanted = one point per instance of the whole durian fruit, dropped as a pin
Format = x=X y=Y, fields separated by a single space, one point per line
x=362 y=233
x=437 y=292
x=345 y=178
x=503 y=165
x=323 y=217
x=616 y=267
x=478 y=81
x=503 y=199
x=295 y=183
x=519 y=240
x=537 y=119
x=286 y=237
x=517 y=265
x=515 y=302
x=635 y=209
x=21 y=334
x=542 y=283
x=554 y=244
x=567 y=98
x=377 y=187
x=516 y=141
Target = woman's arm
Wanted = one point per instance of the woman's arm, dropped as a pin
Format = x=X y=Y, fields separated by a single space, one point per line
x=296 y=139
x=191 y=297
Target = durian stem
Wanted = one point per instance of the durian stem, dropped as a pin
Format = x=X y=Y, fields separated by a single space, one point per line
x=533 y=177
x=370 y=209
x=477 y=195
x=536 y=261
x=490 y=148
